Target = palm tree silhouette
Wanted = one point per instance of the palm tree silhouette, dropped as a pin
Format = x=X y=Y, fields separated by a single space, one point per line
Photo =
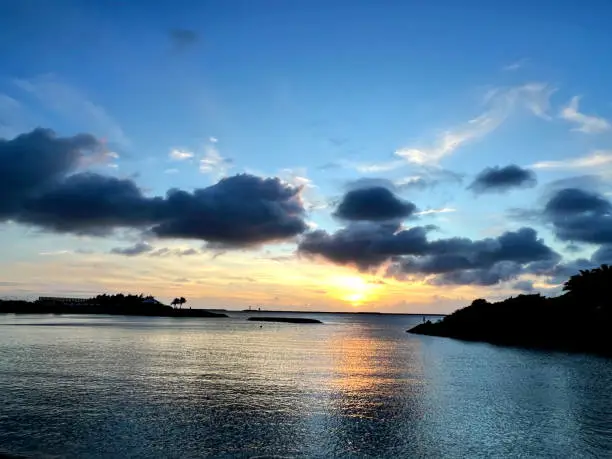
x=175 y=302
x=593 y=286
x=182 y=301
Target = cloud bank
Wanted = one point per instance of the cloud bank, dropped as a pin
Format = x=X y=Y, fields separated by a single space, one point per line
x=42 y=185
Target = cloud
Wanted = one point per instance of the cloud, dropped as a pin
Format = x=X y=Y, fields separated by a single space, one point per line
x=370 y=182
x=55 y=252
x=330 y=165
x=587 y=124
x=364 y=244
x=501 y=179
x=574 y=201
x=516 y=65
x=580 y=216
x=39 y=187
x=450 y=261
x=182 y=39
x=168 y=252
x=368 y=168
x=213 y=162
x=11 y=114
x=373 y=204
x=74 y=106
x=443 y=210
x=596 y=159
x=137 y=249
x=89 y=203
x=37 y=160
x=482 y=262
x=311 y=195
x=524 y=286
x=603 y=255
x=144 y=248
x=501 y=103
x=238 y=210
x=427 y=177
x=180 y=155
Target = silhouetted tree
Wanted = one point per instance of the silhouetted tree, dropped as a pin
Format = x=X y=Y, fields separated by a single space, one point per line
x=593 y=286
x=175 y=302
x=480 y=302
x=182 y=301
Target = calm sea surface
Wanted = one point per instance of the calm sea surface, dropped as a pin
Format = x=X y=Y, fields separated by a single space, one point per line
x=357 y=386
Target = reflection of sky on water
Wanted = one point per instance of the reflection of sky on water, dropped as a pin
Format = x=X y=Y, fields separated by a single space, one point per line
x=357 y=385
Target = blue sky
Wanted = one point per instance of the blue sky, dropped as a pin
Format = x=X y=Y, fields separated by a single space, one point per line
x=319 y=94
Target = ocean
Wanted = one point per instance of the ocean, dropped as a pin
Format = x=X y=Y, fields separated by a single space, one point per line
x=356 y=386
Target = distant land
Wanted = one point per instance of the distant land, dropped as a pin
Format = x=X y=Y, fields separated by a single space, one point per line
x=281 y=311
x=127 y=305
x=139 y=305
x=579 y=320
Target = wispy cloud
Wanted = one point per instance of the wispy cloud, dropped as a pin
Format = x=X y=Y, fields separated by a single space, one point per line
x=9 y=108
x=516 y=65
x=101 y=157
x=178 y=154
x=137 y=249
x=443 y=210
x=596 y=159
x=365 y=167
x=55 y=253
x=74 y=105
x=213 y=162
x=589 y=124
x=311 y=197
x=500 y=103
x=171 y=171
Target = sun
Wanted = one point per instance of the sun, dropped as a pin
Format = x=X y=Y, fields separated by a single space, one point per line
x=352 y=289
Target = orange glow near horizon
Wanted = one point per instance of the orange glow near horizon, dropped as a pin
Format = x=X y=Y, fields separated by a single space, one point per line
x=352 y=289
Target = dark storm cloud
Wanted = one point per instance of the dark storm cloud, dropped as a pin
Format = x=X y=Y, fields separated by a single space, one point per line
x=32 y=162
x=580 y=216
x=376 y=203
x=364 y=244
x=499 y=272
x=603 y=255
x=90 y=203
x=239 y=210
x=39 y=187
x=137 y=249
x=482 y=262
x=183 y=38
x=454 y=261
x=574 y=201
x=501 y=179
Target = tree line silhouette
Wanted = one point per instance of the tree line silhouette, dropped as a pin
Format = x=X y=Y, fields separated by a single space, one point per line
x=580 y=319
x=118 y=304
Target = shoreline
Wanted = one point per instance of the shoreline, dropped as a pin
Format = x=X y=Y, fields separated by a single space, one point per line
x=24 y=308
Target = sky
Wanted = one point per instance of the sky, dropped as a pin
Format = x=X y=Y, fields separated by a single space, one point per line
x=394 y=156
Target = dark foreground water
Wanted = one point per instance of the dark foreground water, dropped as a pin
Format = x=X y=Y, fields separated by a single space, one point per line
x=357 y=386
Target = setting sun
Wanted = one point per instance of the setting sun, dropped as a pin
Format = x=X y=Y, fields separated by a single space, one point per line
x=352 y=289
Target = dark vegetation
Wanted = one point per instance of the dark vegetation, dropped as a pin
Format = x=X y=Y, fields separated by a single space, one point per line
x=119 y=304
x=578 y=320
x=291 y=320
